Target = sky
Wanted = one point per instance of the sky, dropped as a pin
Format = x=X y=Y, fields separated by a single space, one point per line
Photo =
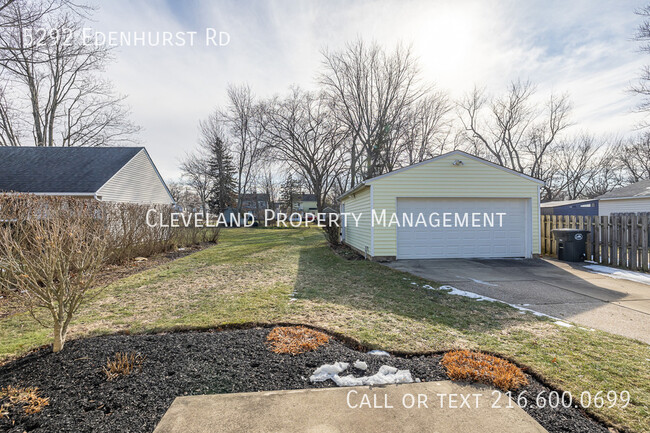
x=581 y=47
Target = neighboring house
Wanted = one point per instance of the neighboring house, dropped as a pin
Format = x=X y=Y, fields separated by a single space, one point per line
x=255 y=204
x=628 y=199
x=305 y=203
x=115 y=174
x=570 y=207
x=456 y=183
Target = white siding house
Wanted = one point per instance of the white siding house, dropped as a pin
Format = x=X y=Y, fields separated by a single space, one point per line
x=137 y=181
x=455 y=183
x=628 y=199
x=116 y=174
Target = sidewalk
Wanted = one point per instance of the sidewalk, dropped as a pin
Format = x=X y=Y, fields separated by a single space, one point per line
x=356 y=409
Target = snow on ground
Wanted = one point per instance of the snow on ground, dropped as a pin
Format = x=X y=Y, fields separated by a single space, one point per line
x=385 y=375
x=378 y=353
x=621 y=274
x=454 y=291
x=360 y=365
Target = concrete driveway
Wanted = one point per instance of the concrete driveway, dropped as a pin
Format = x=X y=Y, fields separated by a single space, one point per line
x=563 y=290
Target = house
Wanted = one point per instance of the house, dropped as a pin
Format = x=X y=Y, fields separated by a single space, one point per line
x=255 y=204
x=114 y=174
x=472 y=208
x=628 y=199
x=570 y=207
x=305 y=203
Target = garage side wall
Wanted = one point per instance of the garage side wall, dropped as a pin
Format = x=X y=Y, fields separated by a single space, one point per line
x=358 y=236
x=440 y=178
x=607 y=207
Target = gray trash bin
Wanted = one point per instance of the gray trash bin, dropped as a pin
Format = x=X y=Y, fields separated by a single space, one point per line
x=571 y=244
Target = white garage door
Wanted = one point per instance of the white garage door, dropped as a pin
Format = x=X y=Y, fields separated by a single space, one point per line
x=465 y=238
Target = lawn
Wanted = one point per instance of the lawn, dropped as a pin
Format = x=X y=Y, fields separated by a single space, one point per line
x=290 y=275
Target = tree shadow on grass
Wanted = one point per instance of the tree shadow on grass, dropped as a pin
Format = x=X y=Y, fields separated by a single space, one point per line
x=373 y=288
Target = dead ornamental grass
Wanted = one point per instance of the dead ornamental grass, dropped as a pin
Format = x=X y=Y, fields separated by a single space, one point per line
x=480 y=367
x=295 y=340
x=123 y=365
x=27 y=398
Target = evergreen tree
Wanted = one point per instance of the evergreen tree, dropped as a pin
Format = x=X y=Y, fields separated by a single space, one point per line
x=220 y=167
x=290 y=190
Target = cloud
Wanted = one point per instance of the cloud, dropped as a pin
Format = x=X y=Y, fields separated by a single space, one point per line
x=580 y=47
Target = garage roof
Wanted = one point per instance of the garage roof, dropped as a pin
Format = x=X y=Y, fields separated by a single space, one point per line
x=639 y=189
x=453 y=152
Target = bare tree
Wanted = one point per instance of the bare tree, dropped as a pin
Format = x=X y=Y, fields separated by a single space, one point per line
x=54 y=81
x=271 y=187
x=426 y=128
x=578 y=164
x=642 y=87
x=370 y=89
x=244 y=122
x=52 y=252
x=196 y=174
x=303 y=133
x=511 y=130
x=634 y=155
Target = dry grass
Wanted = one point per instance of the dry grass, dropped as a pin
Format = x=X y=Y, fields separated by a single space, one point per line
x=295 y=339
x=27 y=398
x=123 y=365
x=488 y=369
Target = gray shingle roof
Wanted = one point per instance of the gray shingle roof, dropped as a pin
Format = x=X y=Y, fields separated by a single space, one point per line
x=638 y=189
x=60 y=169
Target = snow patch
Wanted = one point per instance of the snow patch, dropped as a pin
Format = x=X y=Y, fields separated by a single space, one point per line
x=563 y=324
x=385 y=375
x=360 y=365
x=327 y=371
x=378 y=353
x=620 y=274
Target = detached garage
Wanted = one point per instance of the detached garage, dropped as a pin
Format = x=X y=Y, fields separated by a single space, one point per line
x=452 y=206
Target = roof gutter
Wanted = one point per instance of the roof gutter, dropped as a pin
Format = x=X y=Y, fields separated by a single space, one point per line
x=623 y=198
x=352 y=191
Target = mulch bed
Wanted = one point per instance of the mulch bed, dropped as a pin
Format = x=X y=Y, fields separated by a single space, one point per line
x=187 y=363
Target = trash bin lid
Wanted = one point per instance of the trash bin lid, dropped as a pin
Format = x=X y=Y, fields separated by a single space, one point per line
x=576 y=234
x=570 y=231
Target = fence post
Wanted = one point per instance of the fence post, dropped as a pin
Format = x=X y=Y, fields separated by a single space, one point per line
x=644 y=241
x=605 y=239
x=615 y=242
x=586 y=220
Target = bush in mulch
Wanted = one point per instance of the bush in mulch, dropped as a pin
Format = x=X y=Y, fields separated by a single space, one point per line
x=123 y=365
x=295 y=340
x=16 y=402
x=480 y=367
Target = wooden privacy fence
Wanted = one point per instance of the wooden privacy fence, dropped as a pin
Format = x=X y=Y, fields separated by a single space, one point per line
x=617 y=240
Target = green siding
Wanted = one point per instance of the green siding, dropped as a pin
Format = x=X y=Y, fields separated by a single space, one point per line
x=440 y=178
x=359 y=204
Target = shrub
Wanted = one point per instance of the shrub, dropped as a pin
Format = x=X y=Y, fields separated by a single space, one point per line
x=480 y=367
x=295 y=339
x=52 y=249
x=123 y=365
x=28 y=399
x=332 y=233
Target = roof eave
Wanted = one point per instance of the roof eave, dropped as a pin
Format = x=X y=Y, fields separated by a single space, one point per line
x=352 y=190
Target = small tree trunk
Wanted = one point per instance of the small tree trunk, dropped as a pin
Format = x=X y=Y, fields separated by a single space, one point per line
x=59 y=337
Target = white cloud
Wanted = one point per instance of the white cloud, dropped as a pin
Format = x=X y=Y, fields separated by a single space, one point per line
x=580 y=47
